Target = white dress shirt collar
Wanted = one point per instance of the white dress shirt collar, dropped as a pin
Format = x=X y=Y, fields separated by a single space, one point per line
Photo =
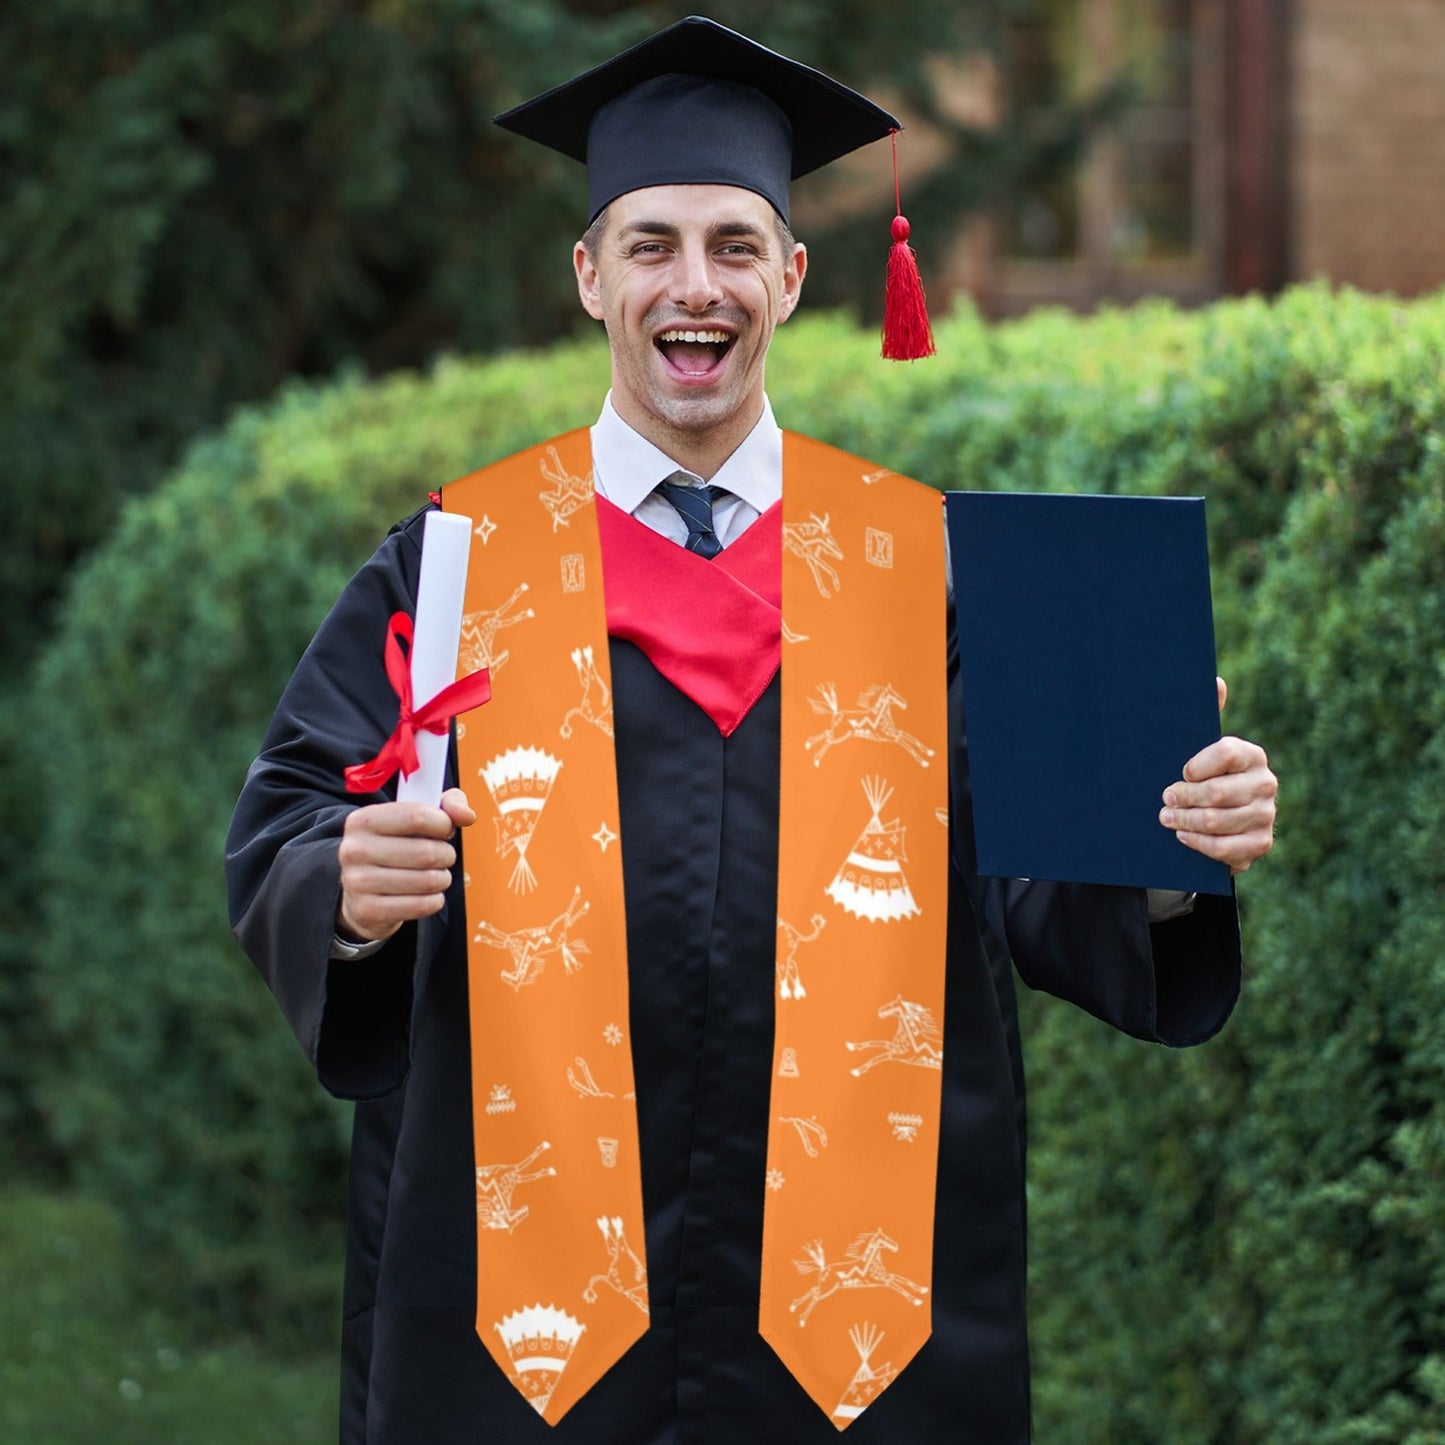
x=626 y=467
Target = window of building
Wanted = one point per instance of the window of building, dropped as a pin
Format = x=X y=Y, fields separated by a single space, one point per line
x=1142 y=212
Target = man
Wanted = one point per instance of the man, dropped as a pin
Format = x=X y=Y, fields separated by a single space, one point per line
x=786 y=1227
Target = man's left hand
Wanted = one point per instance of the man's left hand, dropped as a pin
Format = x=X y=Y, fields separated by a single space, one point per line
x=1224 y=805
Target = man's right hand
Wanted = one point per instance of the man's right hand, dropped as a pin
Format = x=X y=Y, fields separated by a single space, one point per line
x=396 y=862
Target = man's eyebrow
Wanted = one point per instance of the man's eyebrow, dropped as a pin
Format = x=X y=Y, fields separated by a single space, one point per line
x=740 y=230
x=664 y=229
x=721 y=230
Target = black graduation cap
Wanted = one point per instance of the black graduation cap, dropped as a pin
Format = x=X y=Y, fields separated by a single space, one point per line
x=699 y=104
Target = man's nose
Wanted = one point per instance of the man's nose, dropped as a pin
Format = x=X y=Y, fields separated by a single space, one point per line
x=697 y=287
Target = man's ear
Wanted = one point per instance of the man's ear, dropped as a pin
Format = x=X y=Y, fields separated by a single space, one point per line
x=793 y=273
x=589 y=284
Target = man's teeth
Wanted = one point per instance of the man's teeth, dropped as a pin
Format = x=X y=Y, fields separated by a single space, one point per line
x=718 y=338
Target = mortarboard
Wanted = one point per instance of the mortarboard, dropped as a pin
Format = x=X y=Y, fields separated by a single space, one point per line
x=699 y=104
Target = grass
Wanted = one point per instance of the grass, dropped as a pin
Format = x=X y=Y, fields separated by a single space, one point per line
x=83 y=1359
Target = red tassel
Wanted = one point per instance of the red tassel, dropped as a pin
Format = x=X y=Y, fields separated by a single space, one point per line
x=907 y=336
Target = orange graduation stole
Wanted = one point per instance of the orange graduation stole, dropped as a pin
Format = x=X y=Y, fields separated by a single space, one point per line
x=857 y=1067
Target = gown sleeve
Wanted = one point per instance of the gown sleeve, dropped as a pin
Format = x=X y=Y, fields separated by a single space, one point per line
x=1093 y=945
x=283 y=874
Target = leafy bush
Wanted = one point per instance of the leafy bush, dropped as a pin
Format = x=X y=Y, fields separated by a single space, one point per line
x=172 y=1089
x=1243 y=1244
x=1240 y=1244
x=85 y=1355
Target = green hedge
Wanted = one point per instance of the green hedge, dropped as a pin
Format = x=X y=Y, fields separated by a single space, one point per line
x=86 y=1355
x=173 y=1087
x=1239 y=1244
x=1244 y=1244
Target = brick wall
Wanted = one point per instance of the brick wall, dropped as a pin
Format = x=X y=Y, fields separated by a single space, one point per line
x=1367 y=144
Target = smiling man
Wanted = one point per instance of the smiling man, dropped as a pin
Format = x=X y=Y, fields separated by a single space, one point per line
x=691 y=1109
x=656 y=264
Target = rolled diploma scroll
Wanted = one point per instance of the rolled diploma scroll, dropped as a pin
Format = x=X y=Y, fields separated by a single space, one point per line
x=446 y=541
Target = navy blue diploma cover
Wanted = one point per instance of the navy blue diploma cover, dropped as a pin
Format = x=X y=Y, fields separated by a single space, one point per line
x=1086 y=650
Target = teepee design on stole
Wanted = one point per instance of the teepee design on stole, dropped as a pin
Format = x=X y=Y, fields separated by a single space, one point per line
x=868 y=1383
x=871 y=883
x=520 y=781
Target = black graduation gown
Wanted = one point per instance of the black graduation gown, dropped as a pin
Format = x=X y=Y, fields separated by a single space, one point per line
x=699 y=828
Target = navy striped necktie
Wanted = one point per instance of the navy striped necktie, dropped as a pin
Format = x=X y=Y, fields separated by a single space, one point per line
x=694 y=506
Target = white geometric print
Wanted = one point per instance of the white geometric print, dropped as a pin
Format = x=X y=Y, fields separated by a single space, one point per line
x=574 y=572
x=569 y=494
x=790 y=982
x=584 y=1083
x=870 y=884
x=863 y=1266
x=812 y=1134
x=813 y=542
x=608 y=1150
x=878 y=548
x=775 y=1180
x=626 y=1273
x=870 y=478
x=520 y=781
x=868 y=1383
x=539 y=1341
x=788 y=1064
x=905 y=1126
x=586 y=1086
x=478 y=644
x=530 y=948
x=485 y=528
x=596 y=704
x=500 y=1101
x=495 y=1185
x=871 y=722
x=916 y=1039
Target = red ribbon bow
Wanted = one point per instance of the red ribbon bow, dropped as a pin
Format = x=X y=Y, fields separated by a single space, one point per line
x=399 y=751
